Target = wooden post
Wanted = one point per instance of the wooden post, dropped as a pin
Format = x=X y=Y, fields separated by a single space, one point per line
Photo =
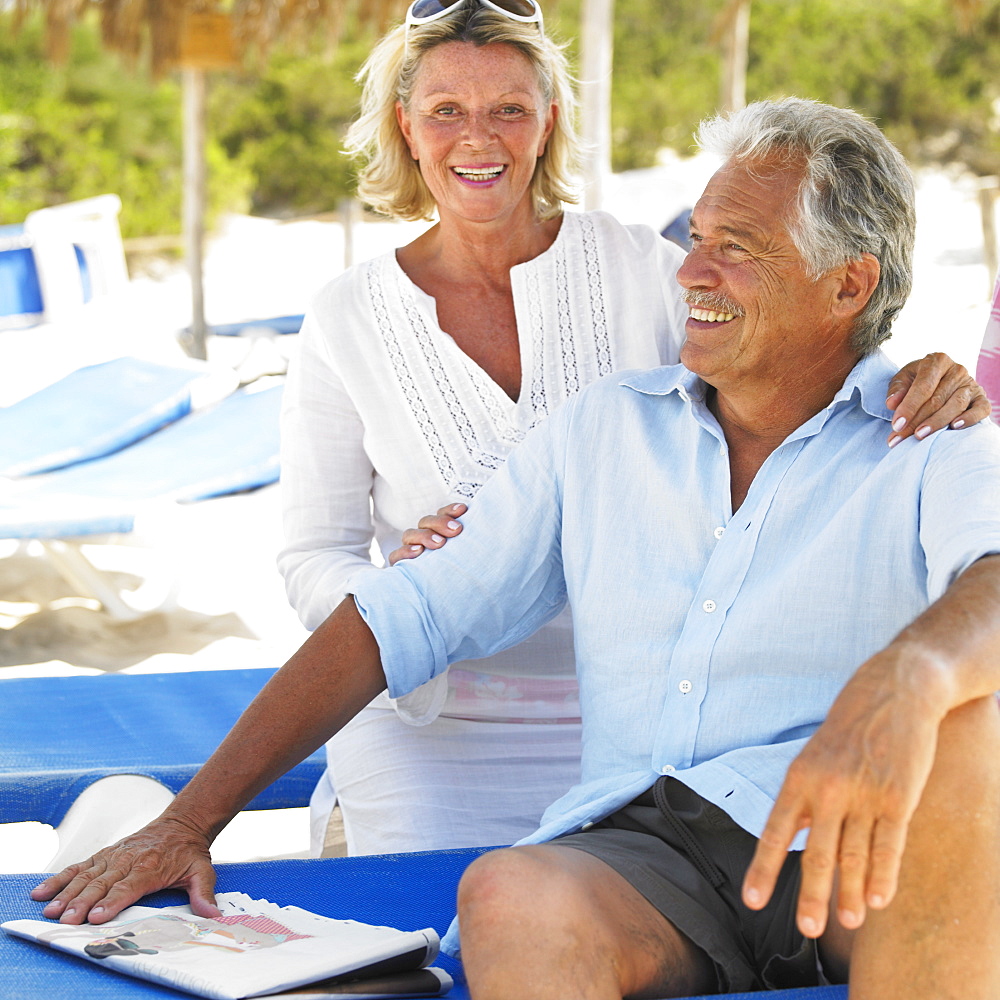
x=347 y=224
x=735 y=38
x=194 y=203
x=596 y=57
x=206 y=42
x=989 y=189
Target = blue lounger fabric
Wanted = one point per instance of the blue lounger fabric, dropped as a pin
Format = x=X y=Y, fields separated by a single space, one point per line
x=402 y=890
x=61 y=734
x=91 y=412
x=276 y=324
x=227 y=448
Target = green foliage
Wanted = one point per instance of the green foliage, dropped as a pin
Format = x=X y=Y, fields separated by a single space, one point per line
x=92 y=127
x=908 y=64
x=275 y=134
x=931 y=86
x=287 y=127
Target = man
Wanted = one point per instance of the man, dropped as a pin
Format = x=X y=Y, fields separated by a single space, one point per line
x=779 y=625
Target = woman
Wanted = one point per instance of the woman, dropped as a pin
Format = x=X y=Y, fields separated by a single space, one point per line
x=422 y=369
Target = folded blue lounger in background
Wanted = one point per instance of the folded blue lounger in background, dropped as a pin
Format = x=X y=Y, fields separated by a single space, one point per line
x=227 y=448
x=98 y=410
x=259 y=327
x=408 y=891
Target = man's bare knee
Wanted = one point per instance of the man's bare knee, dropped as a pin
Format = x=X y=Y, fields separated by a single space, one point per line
x=487 y=878
x=964 y=784
x=576 y=927
x=528 y=928
x=966 y=728
x=516 y=883
x=944 y=923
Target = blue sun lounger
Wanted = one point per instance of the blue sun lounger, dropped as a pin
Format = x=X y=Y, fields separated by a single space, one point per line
x=227 y=448
x=408 y=891
x=61 y=734
x=95 y=411
x=97 y=757
x=259 y=327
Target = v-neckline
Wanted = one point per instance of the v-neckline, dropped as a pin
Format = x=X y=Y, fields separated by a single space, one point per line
x=521 y=322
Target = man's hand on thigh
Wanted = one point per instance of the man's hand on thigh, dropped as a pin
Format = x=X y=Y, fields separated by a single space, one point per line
x=855 y=786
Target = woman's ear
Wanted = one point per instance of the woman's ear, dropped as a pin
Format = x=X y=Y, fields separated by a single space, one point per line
x=550 y=124
x=403 y=120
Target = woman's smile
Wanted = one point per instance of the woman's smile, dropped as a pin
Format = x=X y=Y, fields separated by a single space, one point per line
x=477 y=123
x=480 y=175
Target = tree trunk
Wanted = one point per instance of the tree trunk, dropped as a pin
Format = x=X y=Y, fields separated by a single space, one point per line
x=596 y=54
x=194 y=204
x=735 y=43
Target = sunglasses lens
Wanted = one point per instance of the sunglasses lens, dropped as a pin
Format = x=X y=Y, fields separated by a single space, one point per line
x=429 y=8
x=422 y=11
x=522 y=8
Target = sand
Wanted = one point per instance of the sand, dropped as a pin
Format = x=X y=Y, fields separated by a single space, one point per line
x=213 y=562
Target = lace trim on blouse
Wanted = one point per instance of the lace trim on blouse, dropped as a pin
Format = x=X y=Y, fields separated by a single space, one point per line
x=573 y=336
x=598 y=311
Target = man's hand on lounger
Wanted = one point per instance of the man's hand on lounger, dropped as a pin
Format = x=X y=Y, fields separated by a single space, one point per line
x=333 y=675
x=165 y=854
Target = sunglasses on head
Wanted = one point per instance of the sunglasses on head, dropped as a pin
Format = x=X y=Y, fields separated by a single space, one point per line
x=425 y=11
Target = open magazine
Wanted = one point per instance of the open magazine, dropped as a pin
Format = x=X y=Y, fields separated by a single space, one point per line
x=255 y=948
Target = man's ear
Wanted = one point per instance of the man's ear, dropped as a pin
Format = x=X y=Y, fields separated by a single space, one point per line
x=859 y=279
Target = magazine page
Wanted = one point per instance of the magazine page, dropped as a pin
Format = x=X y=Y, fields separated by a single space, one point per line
x=255 y=947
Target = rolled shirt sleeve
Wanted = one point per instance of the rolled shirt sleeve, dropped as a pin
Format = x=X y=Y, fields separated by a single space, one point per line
x=489 y=588
x=959 y=500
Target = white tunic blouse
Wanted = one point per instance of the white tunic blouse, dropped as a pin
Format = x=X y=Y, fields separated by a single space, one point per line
x=386 y=419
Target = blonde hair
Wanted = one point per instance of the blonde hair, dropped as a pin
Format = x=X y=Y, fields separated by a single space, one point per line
x=390 y=179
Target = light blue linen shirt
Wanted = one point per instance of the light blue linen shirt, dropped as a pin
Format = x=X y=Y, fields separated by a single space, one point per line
x=709 y=644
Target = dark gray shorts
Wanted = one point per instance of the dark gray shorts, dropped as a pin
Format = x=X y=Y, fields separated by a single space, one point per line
x=688 y=858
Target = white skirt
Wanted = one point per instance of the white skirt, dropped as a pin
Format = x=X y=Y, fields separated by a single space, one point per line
x=451 y=783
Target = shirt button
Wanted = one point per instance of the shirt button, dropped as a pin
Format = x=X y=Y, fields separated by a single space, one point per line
x=719 y=532
x=685 y=687
x=709 y=606
x=667 y=769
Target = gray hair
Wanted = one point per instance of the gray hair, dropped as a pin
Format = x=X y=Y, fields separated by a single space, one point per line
x=390 y=180
x=856 y=196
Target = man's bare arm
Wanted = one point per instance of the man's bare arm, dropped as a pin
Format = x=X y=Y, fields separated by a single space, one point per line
x=335 y=673
x=859 y=779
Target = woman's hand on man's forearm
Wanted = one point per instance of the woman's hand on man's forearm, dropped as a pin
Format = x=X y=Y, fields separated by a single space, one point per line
x=431 y=532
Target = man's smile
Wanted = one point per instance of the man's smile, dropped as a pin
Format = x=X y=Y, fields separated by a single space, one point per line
x=710 y=315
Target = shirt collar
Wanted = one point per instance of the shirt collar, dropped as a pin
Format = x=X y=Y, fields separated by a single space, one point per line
x=664 y=381
x=868 y=381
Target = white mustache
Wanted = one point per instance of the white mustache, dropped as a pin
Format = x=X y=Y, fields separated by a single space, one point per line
x=712 y=300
